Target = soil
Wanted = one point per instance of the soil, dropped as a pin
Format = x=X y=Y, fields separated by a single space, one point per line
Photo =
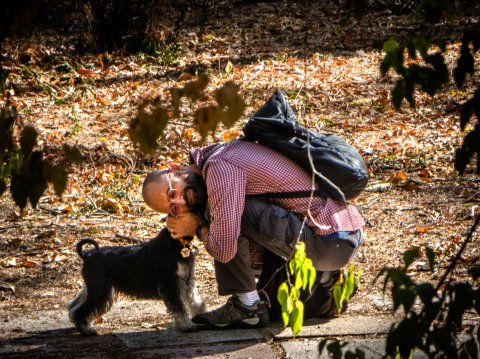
x=332 y=78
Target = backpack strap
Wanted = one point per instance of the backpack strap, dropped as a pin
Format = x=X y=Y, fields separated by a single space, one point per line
x=210 y=152
x=298 y=194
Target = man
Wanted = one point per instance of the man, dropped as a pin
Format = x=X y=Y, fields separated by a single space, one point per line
x=236 y=174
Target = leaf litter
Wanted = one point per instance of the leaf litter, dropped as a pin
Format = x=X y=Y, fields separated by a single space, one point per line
x=328 y=67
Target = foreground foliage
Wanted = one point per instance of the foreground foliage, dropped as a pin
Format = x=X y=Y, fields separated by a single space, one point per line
x=420 y=63
x=433 y=316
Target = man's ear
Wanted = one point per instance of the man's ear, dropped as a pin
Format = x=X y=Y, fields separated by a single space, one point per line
x=174 y=166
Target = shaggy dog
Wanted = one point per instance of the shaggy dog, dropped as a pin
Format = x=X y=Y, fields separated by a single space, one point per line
x=161 y=268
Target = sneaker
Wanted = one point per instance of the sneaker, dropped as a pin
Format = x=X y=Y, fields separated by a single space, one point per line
x=234 y=314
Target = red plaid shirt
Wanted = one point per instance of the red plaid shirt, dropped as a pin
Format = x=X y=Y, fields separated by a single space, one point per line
x=243 y=168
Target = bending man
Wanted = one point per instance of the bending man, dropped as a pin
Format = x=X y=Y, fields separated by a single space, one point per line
x=234 y=173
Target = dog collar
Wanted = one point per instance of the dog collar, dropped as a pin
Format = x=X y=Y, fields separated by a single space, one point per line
x=186 y=247
x=185 y=242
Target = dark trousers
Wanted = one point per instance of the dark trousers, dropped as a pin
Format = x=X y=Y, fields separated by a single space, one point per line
x=277 y=230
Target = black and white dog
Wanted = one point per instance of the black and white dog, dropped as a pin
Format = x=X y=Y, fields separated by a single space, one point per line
x=156 y=269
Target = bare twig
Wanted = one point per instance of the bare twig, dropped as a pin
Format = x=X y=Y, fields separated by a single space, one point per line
x=53 y=211
x=4 y=229
x=459 y=253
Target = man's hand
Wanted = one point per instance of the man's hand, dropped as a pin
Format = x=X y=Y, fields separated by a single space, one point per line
x=183 y=225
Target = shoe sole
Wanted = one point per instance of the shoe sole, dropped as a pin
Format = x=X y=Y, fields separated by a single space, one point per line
x=244 y=324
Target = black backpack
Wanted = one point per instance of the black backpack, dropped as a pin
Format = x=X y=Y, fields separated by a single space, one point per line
x=341 y=171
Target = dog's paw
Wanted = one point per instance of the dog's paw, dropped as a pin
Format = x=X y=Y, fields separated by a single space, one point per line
x=86 y=330
x=188 y=327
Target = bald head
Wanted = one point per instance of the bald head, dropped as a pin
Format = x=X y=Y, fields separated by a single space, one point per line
x=153 y=183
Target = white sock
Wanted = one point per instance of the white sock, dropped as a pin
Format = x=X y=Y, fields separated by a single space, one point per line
x=249 y=298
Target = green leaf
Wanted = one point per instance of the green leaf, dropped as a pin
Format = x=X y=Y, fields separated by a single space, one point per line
x=337 y=297
x=312 y=275
x=300 y=249
x=359 y=278
x=28 y=140
x=390 y=46
x=298 y=280
x=229 y=67
x=292 y=266
x=350 y=283
x=283 y=297
x=296 y=318
x=307 y=270
x=283 y=293
x=294 y=293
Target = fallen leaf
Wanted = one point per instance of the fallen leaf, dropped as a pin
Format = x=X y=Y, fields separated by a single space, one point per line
x=29 y=264
x=101 y=100
x=421 y=229
x=397 y=177
x=68 y=208
x=112 y=204
x=408 y=185
x=229 y=135
x=85 y=72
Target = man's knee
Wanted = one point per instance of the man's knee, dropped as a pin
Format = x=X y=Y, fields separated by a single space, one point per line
x=334 y=251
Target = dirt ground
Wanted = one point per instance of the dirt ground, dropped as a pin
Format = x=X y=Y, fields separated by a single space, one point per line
x=332 y=78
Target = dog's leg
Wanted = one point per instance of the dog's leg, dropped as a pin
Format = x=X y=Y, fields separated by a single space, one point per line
x=176 y=299
x=192 y=298
x=175 y=305
x=77 y=300
x=96 y=300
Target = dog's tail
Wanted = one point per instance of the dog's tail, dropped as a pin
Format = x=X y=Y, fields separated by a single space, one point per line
x=82 y=242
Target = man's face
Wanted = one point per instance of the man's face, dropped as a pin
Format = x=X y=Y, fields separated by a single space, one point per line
x=177 y=192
